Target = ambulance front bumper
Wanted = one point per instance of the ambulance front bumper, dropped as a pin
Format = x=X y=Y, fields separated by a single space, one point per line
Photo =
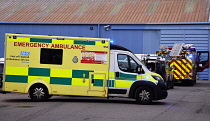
x=161 y=91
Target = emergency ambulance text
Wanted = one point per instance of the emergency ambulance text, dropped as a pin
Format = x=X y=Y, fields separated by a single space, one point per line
x=48 y=45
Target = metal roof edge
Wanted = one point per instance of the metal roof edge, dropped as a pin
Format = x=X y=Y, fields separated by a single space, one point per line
x=42 y=23
x=180 y=23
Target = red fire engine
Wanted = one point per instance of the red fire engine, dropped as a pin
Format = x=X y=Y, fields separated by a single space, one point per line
x=185 y=62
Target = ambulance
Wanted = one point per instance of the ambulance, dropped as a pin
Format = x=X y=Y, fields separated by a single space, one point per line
x=1 y=70
x=43 y=66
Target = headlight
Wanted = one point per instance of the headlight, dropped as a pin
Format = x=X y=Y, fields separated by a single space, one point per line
x=190 y=56
x=157 y=78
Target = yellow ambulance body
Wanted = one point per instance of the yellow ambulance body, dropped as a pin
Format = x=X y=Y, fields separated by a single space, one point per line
x=43 y=66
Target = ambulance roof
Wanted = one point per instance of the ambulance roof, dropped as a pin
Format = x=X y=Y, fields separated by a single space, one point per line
x=118 y=47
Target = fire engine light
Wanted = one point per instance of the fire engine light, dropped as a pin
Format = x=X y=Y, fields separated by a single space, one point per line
x=112 y=41
x=190 y=56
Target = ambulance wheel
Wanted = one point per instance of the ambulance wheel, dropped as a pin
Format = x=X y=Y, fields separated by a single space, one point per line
x=38 y=92
x=49 y=96
x=144 y=95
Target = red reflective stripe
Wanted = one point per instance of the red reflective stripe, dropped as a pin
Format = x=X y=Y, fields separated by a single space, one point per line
x=177 y=75
x=186 y=66
x=183 y=70
x=180 y=66
x=188 y=61
x=187 y=73
x=174 y=61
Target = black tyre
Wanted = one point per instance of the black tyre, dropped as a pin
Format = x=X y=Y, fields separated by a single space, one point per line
x=38 y=93
x=1 y=82
x=172 y=84
x=188 y=82
x=49 y=96
x=192 y=83
x=144 y=95
x=168 y=84
x=195 y=81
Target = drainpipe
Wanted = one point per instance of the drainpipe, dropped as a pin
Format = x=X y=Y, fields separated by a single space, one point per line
x=98 y=31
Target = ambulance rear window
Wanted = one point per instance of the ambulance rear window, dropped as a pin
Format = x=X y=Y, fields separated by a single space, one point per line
x=51 y=56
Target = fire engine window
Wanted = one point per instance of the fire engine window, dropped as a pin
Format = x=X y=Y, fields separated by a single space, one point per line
x=203 y=56
x=51 y=56
x=126 y=63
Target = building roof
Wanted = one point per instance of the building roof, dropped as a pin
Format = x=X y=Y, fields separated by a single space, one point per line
x=104 y=11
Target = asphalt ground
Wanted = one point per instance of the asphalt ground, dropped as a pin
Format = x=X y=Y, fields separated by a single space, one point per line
x=184 y=103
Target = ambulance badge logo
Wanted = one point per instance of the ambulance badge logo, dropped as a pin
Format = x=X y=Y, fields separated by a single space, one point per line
x=75 y=59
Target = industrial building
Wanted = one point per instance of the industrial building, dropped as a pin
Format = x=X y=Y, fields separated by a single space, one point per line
x=140 y=25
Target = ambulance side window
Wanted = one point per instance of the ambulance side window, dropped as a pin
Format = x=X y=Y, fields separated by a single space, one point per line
x=126 y=63
x=51 y=56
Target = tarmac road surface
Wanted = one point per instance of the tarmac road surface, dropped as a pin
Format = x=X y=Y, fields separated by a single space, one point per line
x=184 y=103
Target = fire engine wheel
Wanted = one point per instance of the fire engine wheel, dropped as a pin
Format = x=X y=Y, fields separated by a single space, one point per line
x=1 y=81
x=188 y=82
x=38 y=93
x=144 y=95
x=172 y=84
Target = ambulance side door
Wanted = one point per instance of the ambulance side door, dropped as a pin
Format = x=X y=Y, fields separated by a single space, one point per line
x=125 y=70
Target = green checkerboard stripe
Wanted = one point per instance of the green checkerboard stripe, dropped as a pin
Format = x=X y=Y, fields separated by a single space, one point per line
x=16 y=78
x=84 y=42
x=98 y=82
x=53 y=80
x=79 y=73
x=45 y=72
x=127 y=77
x=41 y=40
x=78 y=42
x=60 y=81
x=39 y=72
x=110 y=83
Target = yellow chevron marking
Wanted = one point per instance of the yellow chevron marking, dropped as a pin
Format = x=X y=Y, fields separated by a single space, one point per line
x=184 y=66
x=176 y=71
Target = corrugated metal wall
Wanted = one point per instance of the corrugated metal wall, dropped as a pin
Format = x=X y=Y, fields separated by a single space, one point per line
x=139 y=38
x=197 y=37
x=151 y=41
x=131 y=39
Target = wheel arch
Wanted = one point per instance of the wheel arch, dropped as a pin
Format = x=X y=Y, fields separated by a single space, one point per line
x=38 y=82
x=141 y=83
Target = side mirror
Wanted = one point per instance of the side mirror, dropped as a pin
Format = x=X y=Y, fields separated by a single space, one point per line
x=139 y=69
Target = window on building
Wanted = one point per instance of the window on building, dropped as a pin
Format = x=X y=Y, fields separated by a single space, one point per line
x=51 y=56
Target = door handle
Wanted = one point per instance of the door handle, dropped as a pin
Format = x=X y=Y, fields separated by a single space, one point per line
x=117 y=74
x=83 y=78
x=92 y=80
